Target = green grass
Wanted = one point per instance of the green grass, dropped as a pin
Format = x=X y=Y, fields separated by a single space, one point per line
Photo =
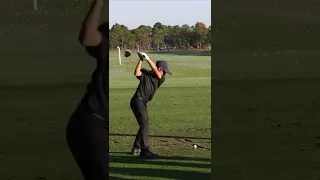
x=266 y=129
x=38 y=93
x=265 y=98
x=179 y=117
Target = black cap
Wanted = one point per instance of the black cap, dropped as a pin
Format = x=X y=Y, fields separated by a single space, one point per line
x=164 y=65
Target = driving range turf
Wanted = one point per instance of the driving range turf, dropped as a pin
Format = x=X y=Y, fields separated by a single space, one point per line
x=180 y=116
x=265 y=90
x=39 y=97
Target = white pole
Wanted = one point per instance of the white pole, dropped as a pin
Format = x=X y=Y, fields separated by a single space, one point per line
x=35 y=5
x=119 y=49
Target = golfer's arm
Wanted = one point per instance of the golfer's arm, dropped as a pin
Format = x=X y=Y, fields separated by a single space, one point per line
x=137 y=71
x=89 y=34
x=154 y=68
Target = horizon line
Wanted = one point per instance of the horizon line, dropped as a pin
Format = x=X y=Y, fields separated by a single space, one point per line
x=207 y=25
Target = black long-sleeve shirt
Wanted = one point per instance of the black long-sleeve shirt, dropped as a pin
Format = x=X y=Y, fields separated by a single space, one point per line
x=96 y=99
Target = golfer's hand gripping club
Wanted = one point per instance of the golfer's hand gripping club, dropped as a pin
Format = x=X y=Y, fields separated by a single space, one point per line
x=140 y=56
x=143 y=56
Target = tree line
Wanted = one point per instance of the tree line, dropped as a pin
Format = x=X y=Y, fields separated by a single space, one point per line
x=159 y=36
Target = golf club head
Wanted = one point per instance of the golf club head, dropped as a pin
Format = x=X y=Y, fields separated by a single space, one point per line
x=127 y=53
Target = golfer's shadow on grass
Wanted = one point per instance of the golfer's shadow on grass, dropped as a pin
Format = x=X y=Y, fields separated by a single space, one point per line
x=162 y=136
x=174 y=161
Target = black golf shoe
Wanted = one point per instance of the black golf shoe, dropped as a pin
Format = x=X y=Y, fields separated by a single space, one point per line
x=147 y=154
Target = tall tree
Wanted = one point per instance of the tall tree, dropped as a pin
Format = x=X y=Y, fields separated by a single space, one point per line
x=120 y=34
x=158 y=33
x=175 y=35
x=142 y=36
x=185 y=36
x=208 y=40
x=200 y=32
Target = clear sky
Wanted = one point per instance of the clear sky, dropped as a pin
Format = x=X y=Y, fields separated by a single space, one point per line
x=134 y=13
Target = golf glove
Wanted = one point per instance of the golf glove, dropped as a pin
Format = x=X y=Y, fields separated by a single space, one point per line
x=144 y=56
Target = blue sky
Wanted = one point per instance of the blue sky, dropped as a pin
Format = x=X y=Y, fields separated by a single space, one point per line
x=133 y=13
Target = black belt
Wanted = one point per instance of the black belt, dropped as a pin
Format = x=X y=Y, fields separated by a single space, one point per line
x=85 y=107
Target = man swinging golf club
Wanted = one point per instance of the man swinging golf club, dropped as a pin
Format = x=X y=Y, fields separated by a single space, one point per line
x=88 y=128
x=150 y=81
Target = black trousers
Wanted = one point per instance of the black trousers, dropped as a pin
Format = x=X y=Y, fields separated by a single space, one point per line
x=140 y=111
x=88 y=141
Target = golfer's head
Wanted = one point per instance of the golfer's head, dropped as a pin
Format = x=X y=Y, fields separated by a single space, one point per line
x=104 y=28
x=163 y=67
